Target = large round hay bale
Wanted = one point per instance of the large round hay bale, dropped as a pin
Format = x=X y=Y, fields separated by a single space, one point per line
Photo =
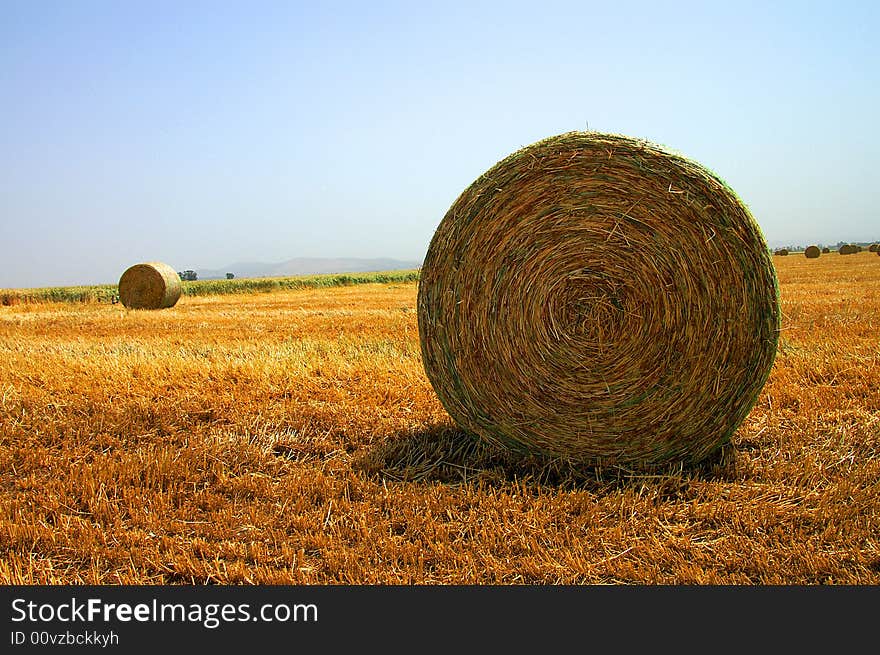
x=812 y=252
x=847 y=249
x=600 y=298
x=872 y=247
x=781 y=252
x=826 y=251
x=151 y=285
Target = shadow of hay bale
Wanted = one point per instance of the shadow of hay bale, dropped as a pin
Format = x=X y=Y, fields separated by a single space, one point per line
x=450 y=456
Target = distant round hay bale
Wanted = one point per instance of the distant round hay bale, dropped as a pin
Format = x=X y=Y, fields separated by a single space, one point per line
x=151 y=285
x=847 y=249
x=826 y=251
x=872 y=247
x=781 y=252
x=812 y=252
x=599 y=298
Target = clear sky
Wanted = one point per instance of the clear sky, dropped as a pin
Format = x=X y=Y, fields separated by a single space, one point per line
x=207 y=133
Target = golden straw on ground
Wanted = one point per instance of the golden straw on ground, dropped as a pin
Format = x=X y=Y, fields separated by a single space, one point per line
x=600 y=298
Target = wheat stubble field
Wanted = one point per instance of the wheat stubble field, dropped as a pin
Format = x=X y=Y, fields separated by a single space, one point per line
x=292 y=437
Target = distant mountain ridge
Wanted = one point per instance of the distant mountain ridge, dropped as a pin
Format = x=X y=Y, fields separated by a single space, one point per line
x=308 y=266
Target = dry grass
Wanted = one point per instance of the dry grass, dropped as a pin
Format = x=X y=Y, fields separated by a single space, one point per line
x=293 y=437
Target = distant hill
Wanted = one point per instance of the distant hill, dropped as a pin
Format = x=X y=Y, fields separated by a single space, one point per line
x=307 y=266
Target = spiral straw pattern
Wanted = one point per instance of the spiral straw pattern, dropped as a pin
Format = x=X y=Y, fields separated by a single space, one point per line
x=600 y=298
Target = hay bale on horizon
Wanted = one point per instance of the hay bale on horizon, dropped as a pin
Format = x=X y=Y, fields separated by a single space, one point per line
x=826 y=251
x=541 y=325
x=812 y=252
x=847 y=249
x=781 y=252
x=872 y=247
x=150 y=285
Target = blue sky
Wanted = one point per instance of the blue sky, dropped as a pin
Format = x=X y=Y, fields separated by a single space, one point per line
x=207 y=133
